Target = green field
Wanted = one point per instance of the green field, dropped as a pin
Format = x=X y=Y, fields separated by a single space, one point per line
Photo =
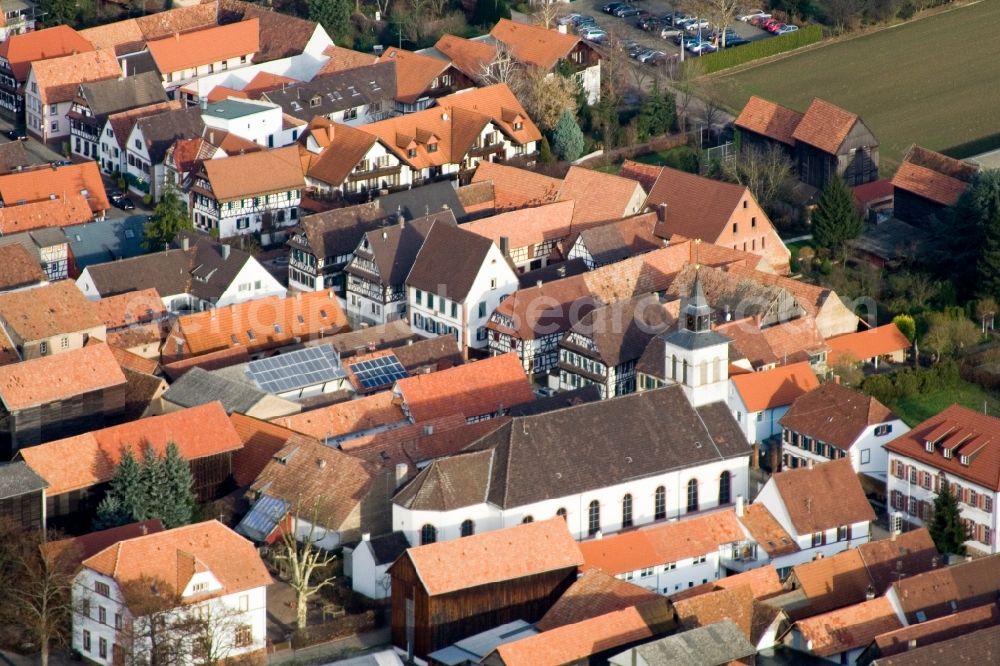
x=935 y=82
x=918 y=408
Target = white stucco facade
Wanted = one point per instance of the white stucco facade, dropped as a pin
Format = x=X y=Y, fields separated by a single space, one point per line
x=759 y=425
x=431 y=315
x=487 y=517
x=867 y=453
x=101 y=620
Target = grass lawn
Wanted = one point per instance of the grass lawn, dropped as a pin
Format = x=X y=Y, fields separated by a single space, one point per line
x=915 y=409
x=935 y=82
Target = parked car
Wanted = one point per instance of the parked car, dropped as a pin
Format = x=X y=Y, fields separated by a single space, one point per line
x=595 y=35
x=785 y=29
x=701 y=48
x=752 y=14
x=625 y=12
x=611 y=7
x=670 y=33
x=581 y=20
x=759 y=21
x=651 y=56
x=696 y=25
x=649 y=23
x=114 y=195
x=124 y=203
x=16 y=135
x=771 y=25
x=736 y=40
x=567 y=19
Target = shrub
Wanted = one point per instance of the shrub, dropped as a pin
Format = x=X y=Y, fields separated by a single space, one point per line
x=906 y=10
x=714 y=62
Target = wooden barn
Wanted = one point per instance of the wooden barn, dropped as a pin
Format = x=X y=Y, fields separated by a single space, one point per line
x=926 y=184
x=56 y=396
x=822 y=142
x=444 y=592
x=77 y=469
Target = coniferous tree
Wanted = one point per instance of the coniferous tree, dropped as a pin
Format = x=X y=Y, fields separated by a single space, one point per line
x=333 y=15
x=110 y=513
x=178 y=501
x=658 y=114
x=154 y=486
x=169 y=218
x=836 y=219
x=125 y=497
x=946 y=526
x=988 y=266
x=567 y=139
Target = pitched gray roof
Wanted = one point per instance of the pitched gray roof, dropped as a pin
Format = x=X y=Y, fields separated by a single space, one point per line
x=387 y=547
x=338 y=231
x=581 y=448
x=711 y=645
x=374 y=338
x=17 y=478
x=161 y=130
x=114 y=95
x=395 y=248
x=200 y=270
x=109 y=239
x=449 y=261
x=13 y=155
x=198 y=387
x=424 y=200
x=344 y=90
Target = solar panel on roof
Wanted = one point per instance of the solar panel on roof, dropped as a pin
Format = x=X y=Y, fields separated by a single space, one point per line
x=294 y=370
x=263 y=517
x=380 y=371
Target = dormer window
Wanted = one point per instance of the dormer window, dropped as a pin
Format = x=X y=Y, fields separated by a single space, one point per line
x=432 y=147
x=964 y=460
x=518 y=126
x=315 y=101
x=885 y=429
x=947 y=453
x=929 y=446
x=411 y=152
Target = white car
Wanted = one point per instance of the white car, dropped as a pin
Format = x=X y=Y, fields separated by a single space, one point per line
x=593 y=34
x=751 y=15
x=694 y=26
x=566 y=20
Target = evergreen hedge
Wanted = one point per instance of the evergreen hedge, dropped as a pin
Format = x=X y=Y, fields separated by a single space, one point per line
x=895 y=386
x=762 y=48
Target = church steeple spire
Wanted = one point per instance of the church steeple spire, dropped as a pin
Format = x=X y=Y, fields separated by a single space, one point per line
x=696 y=313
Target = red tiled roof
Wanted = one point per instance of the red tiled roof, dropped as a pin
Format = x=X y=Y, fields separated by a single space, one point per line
x=474 y=389
x=86 y=460
x=878 y=341
x=50 y=378
x=516 y=188
x=669 y=542
x=261 y=441
x=929 y=184
x=835 y=414
x=58 y=79
x=22 y=50
x=132 y=307
x=534 y=45
x=414 y=72
x=380 y=409
x=188 y=50
x=470 y=56
x=772 y=538
x=697 y=207
x=596 y=593
x=823 y=497
x=825 y=126
x=256 y=325
x=600 y=196
x=775 y=388
x=769 y=119
x=175 y=555
x=83 y=179
x=848 y=628
x=574 y=643
x=58 y=212
x=496 y=556
x=965 y=433
x=18 y=268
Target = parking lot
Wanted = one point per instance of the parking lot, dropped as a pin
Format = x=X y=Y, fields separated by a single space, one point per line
x=625 y=29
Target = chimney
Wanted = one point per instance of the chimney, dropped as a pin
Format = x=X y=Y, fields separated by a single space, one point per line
x=322 y=463
x=836 y=379
x=185 y=243
x=401 y=469
x=598 y=534
x=225 y=251
x=505 y=246
x=739 y=506
x=870 y=593
x=367 y=536
x=661 y=212
x=124 y=64
x=538 y=283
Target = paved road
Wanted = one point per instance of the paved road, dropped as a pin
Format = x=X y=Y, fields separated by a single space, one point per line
x=38 y=150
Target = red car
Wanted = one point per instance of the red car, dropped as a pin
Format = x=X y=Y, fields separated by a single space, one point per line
x=771 y=24
x=774 y=28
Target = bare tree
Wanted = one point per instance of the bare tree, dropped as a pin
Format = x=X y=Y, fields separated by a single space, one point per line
x=212 y=629
x=37 y=582
x=720 y=13
x=545 y=97
x=767 y=172
x=303 y=560
x=686 y=87
x=503 y=68
x=546 y=12
x=152 y=632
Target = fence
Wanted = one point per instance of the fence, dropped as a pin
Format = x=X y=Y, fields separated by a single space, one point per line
x=762 y=48
x=654 y=145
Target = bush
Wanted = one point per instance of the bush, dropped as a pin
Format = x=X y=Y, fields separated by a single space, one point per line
x=889 y=389
x=906 y=10
x=738 y=55
x=545 y=155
